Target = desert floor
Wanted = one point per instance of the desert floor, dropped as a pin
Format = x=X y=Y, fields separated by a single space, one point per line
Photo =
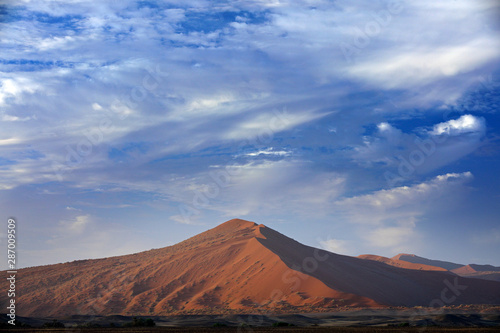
x=479 y=319
x=263 y=329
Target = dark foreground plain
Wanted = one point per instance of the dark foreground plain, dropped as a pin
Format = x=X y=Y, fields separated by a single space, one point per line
x=261 y=329
x=479 y=319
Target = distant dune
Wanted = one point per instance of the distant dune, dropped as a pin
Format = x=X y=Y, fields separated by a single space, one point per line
x=236 y=267
x=484 y=272
x=401 y=263
x=472 y=268
x=429 y=262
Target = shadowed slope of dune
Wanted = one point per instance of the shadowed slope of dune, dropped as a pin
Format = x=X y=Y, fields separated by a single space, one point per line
x=383 y=283
x=236 y=267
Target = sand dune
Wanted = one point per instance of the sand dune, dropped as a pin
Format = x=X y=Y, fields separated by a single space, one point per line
x=236 y=267
x=473 y=268
x=401 y=263
x=485 y=272
x=419 y=260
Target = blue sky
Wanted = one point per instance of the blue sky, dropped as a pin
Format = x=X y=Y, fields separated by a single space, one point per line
x=367 y=127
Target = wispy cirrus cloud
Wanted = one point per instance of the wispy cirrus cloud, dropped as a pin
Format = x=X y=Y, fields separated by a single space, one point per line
x=418 y=68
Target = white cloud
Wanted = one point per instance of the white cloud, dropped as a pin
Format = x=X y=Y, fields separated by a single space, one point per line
x=389 y=218
x=186 y=217
x=55 y=43
x=264 y=126
x=14 y=118
x=336 y=246
x=424 y=66
x=444 y=144
x=392 y=134
x=269 y=151
x=265 y=187
x=387 y=202
x=384 y=127
x=210 y=103
x=13 y=88
x=10 y=141
x=391 y=237
x=465 y=124
x=76 y=225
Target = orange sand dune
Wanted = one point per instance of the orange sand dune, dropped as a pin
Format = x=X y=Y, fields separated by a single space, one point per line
x=401 y=263
x=473 y=268
x=419 y=260
x=237 y=267
x=485 y=272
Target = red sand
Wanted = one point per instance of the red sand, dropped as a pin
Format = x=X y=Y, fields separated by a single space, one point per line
x=236 y=267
